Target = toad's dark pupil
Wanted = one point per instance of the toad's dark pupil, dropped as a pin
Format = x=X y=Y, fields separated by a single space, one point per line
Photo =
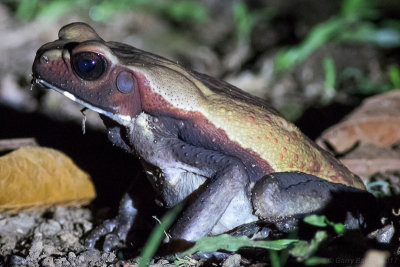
x=86 y=65
x=89 y=66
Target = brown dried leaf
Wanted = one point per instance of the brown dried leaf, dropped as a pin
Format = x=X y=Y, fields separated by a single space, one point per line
x=32 y=177
x=369 y=159
x=375 y=126
x=376 y=122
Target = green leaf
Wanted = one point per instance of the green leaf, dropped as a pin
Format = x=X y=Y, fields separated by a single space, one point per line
x=338 y=227
x=157 y=235
x=26 y=9
x=316 y=220
x=181 y=10
x=54 y=9
x=322 y=221
x=102 y=11
x=233 y=243
x=316 y=261
x=303 y=250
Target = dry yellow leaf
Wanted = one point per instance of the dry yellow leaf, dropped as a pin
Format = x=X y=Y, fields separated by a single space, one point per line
x=32 y=177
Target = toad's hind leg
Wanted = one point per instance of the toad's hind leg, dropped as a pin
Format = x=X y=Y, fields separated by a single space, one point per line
x=279 y=196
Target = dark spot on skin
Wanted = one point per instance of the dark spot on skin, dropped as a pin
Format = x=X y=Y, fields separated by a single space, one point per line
x=302 y=164
x=315 y=167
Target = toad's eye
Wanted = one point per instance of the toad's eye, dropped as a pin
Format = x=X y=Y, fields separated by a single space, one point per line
x=89 y=66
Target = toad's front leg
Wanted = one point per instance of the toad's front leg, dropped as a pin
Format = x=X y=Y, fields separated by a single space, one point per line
x=203 y=214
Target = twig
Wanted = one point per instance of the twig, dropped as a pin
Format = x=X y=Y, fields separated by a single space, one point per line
x=11 y=144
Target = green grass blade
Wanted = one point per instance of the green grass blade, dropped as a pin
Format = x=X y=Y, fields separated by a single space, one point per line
x=330 y=80
x=320 y=34
x=233 y=243
x=274 y=258
x=358 y=9
x=394 y=74
x=156 y=236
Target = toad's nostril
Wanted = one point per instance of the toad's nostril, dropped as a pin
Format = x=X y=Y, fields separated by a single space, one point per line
x=44 y=59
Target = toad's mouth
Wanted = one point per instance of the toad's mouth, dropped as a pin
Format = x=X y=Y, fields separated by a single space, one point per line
x=124 y=120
